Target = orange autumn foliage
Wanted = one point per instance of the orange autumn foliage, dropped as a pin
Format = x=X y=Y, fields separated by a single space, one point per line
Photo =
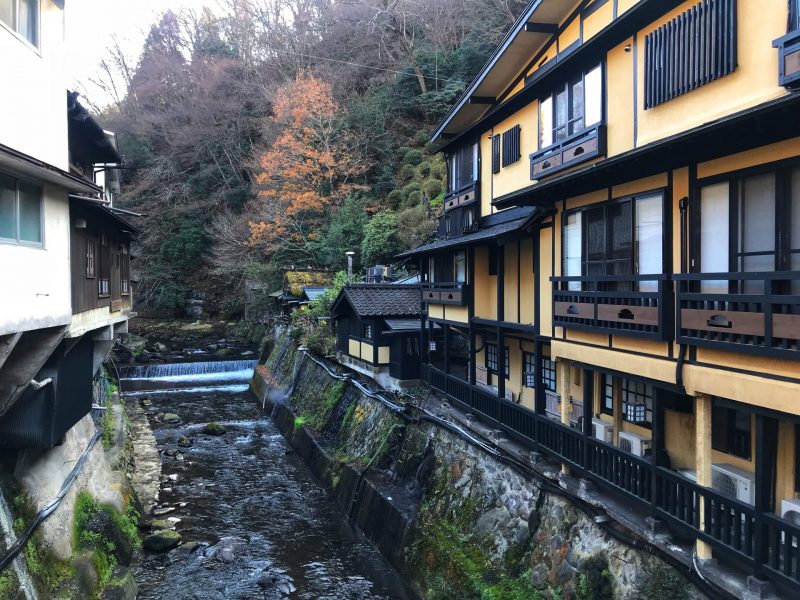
x=309 y=169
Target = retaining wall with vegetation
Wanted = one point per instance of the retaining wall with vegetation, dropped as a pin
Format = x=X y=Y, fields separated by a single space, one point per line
x=458 y=522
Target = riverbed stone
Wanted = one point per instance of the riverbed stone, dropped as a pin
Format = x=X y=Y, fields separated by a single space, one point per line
x=214 y=428
x=184 y=442
x=161 y=525
x=121 y=586
x=171 y=418
x=162 y=540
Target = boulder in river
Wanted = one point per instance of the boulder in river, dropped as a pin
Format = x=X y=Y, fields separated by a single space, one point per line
x=162 y=540
x=214 y=428
x=171 y=418
x=184 y=442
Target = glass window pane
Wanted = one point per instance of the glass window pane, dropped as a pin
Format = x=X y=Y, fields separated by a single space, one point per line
x=714 y=235
x=649 y=227
x=576 y=116
x=30 y=213
x=595 y=235
x=460 y=267
x=593 y=104
x=572 y=249
x=475 y=162
x=7 y=12
x=757 y=218
x=561 y=108
x=8 y=219
x=546 y=123
x=28 y=20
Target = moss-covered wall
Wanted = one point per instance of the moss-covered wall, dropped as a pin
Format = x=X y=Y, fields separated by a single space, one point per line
x=456 y=521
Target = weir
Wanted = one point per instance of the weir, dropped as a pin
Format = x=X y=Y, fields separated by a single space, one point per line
x=187 y=369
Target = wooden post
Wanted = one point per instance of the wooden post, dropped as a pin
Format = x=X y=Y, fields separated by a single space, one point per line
x=501 y=348
x=588 y=411
x=766 y=459
x=702 y=460
x=616 y=396
x=471 y=313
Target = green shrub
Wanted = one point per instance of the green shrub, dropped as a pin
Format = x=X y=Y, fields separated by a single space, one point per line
x=412 y=156
x=407 y=172
x=414 y=186
x=424 y=170
x=413 y=199
x=395 y=198
x=432 y=188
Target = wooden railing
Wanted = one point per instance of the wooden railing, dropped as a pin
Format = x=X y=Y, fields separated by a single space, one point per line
x=621 y=304
x=445 y=293
x=758 y=313
x=762 y=542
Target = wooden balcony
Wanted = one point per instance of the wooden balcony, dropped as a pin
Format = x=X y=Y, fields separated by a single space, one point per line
x=755 y=313
x=445 y=293
x=788 y=59
x=613 y=304
x=574 y=150
x=761 y=542
x=469 y=194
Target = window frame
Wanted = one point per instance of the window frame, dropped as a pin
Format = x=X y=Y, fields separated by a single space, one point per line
x=567 y=86
x=14 y=29
x=125 y=270
x=729 y=444
x=783 y=246
x=454 y=184
x=548 y=367
x=367 y=330
x=17 y=241
x=528 y=367
x=487 y=359
x=583 y=211
x=91 y=256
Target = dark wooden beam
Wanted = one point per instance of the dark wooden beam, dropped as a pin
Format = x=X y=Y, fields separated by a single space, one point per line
x=541 y=27
x=481 y=100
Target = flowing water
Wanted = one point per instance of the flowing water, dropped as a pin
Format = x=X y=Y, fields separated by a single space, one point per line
x=266 y=527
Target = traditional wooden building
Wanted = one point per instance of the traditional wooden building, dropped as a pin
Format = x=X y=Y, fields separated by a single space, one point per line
x=616 y=279
x=378 y=331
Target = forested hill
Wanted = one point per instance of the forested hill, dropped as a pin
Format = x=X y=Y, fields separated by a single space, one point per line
x=286 y=132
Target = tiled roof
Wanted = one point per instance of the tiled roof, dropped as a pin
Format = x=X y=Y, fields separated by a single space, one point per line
x=469 y=238
x=312 y=293
x=382 y=300
x=403 y=324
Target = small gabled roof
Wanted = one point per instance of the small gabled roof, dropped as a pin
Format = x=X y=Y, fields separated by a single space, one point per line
x=312 y=293
x=399 y=325
x=380 y=300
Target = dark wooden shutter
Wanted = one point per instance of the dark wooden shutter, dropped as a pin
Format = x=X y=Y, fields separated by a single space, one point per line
x=496 y=154
x=695 y=48
x=511 y=146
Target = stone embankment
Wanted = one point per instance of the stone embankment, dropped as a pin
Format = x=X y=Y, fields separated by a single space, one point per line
x=448 y=511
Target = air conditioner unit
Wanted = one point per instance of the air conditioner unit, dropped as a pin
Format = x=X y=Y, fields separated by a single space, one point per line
x=633 y=443
x=790 y=511
x=602 y=430
x=733 y=481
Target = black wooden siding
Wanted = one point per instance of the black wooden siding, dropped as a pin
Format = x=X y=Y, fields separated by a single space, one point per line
x=511 y=146
x=695 y=48
x=496 y=153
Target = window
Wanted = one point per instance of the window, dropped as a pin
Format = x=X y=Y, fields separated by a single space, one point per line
x=528 y=369
x=462 y=168
x=368 y=331
x=794 y=15
x=548 y=374
x=23 y=17
x=637 y=402
x=624 y=237
x=20 y=211
x=491 y=359
x=695 y=48
x=91 y=256
x=104 y=264
x=731 y=431
x=460 y=266
x=495 y=154
x=570 y=109
x=512 y=151
x=125 y=270
x=608 y=395
x=745 y=224
x=469 y=218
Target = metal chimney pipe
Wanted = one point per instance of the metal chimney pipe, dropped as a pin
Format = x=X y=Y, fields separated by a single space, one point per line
x=350 y=255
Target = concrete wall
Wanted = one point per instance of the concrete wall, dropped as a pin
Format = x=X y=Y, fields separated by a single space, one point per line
x=35 y=280
x=34 y=98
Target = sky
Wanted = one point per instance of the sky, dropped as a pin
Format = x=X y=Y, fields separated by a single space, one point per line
x=90 y=25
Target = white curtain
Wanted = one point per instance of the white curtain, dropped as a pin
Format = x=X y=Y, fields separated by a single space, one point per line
x=649 y=228
x=714 y=228
x=572 y=249
x=593 y=89
x=546 y=123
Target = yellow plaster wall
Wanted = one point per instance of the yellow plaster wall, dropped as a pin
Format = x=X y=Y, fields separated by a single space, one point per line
x=354 y=348
x=640 y=185
x=633 y=344
x=549 y=54
x=754 y=81
x=436 y=311
x=742 y=160
x=619 y=98
x=625 y=5
x=510 y=294
x=679 y=439
x=515 y=176
x=455 y=313
x=383 y=355
x=367 y=352
x=570 y=35
x=485 y=288
x=527 y=300
x=784 y=483
x=603 y=358
x=595 y=22
x=680 y=189
x=485 y=143
x=585 y=199
x=776 y=366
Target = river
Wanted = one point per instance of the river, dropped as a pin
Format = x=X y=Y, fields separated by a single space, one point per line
x=265 y=525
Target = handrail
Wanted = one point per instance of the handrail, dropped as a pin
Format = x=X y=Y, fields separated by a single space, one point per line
x=766 y=275
x=591 y=278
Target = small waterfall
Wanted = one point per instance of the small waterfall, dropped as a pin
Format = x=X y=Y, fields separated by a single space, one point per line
x=9 y=538
x=186 y=369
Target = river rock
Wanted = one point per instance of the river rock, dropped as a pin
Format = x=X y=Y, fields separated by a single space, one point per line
x=171 y=418
x=162 y=540
x=184 y=442
x=214 y=428
x=171 y=452
x=159 y=347
x=225 y=555
x=121 y=586
x=161 y=525
x=103 y=524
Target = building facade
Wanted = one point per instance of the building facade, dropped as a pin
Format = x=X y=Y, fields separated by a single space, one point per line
x=616 y=279
x=64 y=249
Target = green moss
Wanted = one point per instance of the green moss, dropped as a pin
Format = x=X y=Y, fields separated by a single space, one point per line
x=107 y=428
x=299 y=421
x=9 y=584
x=662 y=583
x=44 y=567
